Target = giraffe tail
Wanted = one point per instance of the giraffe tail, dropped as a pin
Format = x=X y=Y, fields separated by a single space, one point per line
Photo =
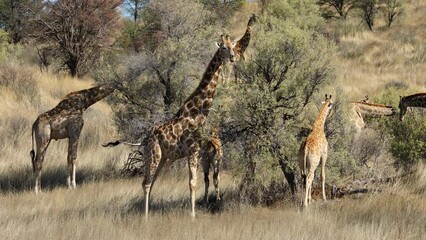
x=118 y=142
x=32 y=152
x=304 y=153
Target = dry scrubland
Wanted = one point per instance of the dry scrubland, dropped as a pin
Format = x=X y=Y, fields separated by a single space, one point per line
x=371 y=61
x=105 y=206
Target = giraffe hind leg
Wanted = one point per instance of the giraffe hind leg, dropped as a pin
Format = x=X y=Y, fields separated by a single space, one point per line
x=74 y=134
x=42 y=143
x=216 y=179
x=205 y=163
x=153 y=154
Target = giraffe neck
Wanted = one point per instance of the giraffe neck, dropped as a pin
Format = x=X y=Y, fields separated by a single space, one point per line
x=416 y=100
x=243 y=43
x=373 y=110
x=322 y=116
x=197 y=105
x=83 y=99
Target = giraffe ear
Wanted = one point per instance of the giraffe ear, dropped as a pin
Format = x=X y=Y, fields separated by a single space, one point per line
x=218 y=44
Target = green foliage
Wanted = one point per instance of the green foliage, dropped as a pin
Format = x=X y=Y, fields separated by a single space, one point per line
x=15 y=17
x=304 y=14
x=3 y=44
x=408 y=143
x=223 y=10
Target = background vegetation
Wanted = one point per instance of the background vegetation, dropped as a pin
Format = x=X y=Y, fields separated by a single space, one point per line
x=300 y=50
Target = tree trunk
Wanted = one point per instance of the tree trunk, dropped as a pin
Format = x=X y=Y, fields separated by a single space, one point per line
x=289 y=175
x=72 y=64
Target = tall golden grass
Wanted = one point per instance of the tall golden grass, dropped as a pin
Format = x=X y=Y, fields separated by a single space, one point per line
x=113 y=210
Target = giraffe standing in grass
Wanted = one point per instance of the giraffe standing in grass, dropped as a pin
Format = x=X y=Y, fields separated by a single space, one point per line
x=415 y=100
x=180 y=137
x=63 y=121
x=363 y=109
x=314 y=151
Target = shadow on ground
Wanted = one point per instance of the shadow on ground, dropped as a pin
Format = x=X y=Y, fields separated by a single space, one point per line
x=22 y=179
x=164 y=206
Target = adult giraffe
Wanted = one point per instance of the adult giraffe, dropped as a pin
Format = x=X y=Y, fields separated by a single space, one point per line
x=363 y=109
x=415 y=100
x=179 y=137
x=64 y=121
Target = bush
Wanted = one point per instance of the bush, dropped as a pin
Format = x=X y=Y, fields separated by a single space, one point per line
x=408 y=142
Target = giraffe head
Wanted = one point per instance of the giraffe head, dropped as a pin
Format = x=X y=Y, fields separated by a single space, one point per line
x=365 y=100
x=253 y=19
x=226 y=49
x=328 y=103
x=402 y=108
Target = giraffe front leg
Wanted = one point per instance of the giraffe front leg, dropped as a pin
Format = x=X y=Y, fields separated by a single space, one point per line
x=152 y=169
x=42 y=143
x=74 y=131
x=72 y=158
x=192 y=163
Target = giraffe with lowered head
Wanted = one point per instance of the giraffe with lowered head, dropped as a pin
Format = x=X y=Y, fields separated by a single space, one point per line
x=313 y=151
x=64 y=121
x=415 y=100
x=363 y=109
x=179 y=137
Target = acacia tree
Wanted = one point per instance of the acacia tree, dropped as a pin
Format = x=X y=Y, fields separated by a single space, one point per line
x=392 y=9
x=77 y=30
x=342 y=7
x=369 y=9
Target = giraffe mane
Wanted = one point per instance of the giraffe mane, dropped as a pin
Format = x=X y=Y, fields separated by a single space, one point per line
x=414 y=95
x=373 y=104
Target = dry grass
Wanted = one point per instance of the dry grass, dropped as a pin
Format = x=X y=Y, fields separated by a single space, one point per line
x=114 y=210
x=371 y=60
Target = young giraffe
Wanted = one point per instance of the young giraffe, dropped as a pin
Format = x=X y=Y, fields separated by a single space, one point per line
x=63 y=121
x=211 y=156
x=363 y=109
x=415 y=100
x=313 y=151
